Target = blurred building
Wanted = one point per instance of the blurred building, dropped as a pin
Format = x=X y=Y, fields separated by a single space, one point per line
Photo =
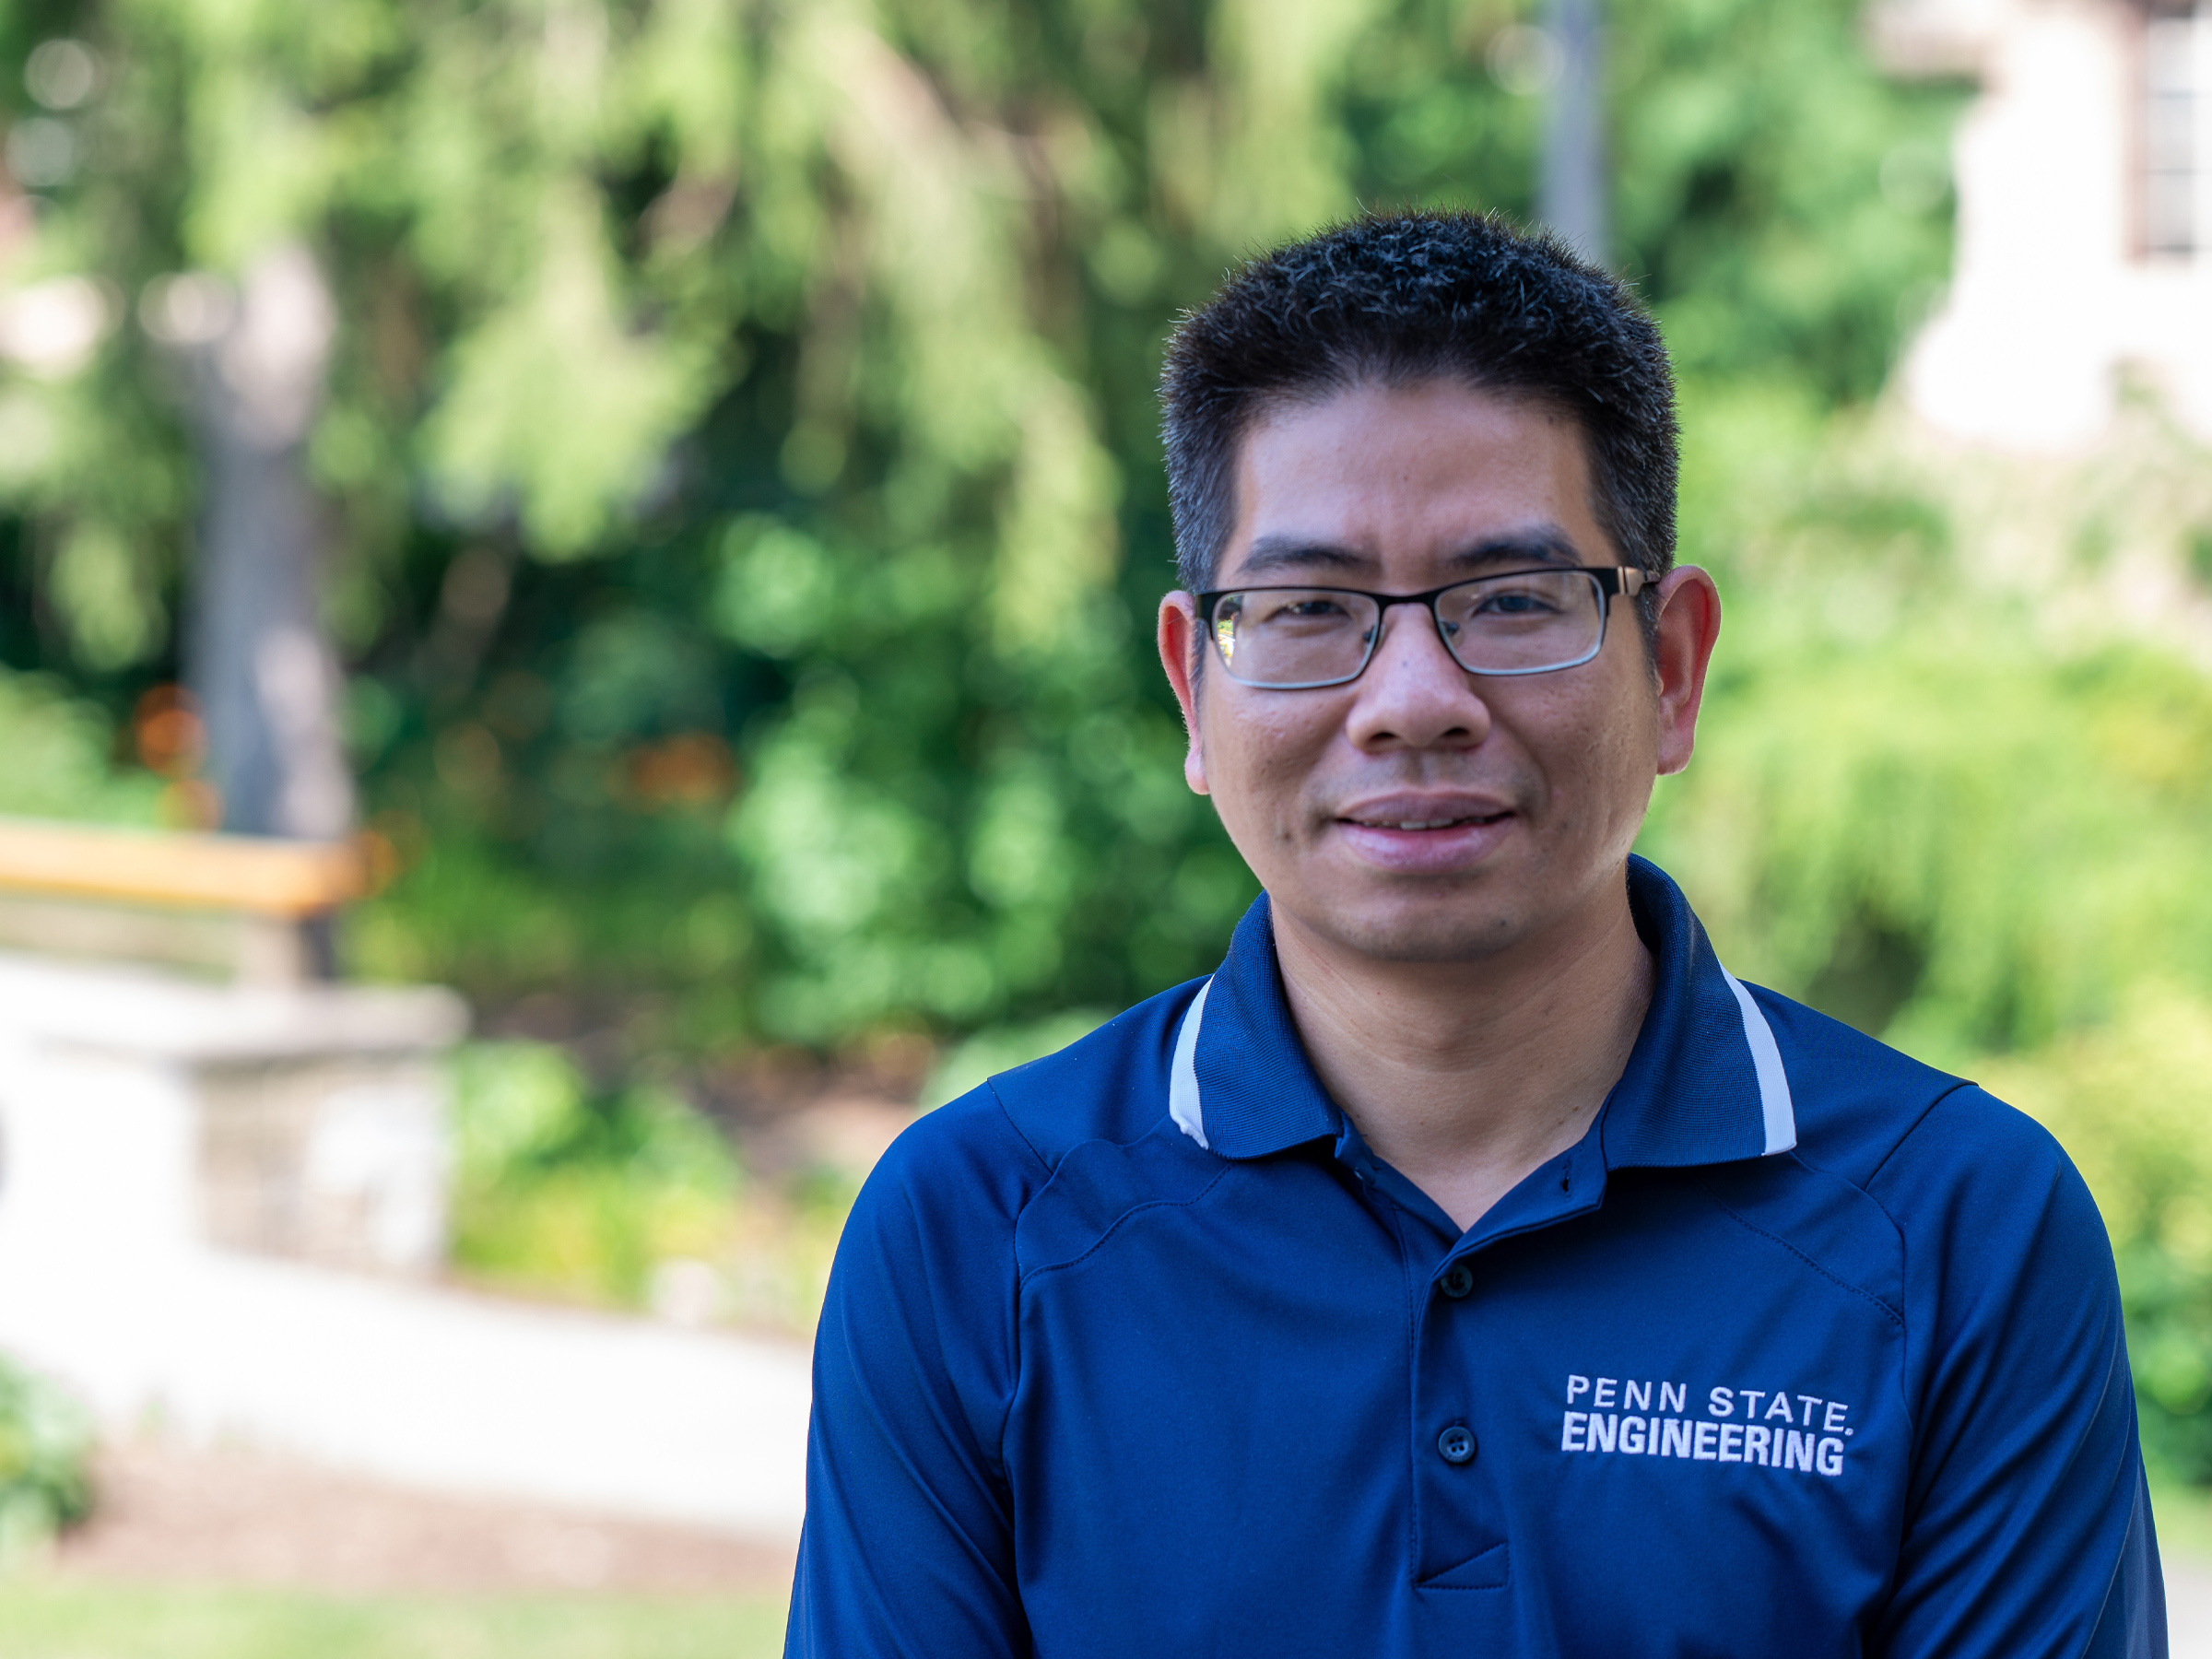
x=2084 y=181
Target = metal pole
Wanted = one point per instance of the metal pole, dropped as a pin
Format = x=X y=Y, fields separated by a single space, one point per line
x=257 y=656
x=1571 y=197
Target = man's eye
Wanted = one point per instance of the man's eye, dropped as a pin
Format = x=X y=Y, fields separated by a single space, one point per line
x=1308 y=610
x=1514 y=604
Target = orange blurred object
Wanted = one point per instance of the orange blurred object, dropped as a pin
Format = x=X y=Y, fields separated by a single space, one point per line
x=692 y=768
x=171 y=739
x=380 y=859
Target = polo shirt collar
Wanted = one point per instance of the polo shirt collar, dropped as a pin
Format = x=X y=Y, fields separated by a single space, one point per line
x=1704 y=1083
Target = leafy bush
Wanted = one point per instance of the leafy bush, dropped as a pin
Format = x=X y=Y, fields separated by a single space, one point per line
x=619 y=1199
x=60 y=758
x=561 y=1192
x=1957 y=840
x=46 y=1448
x=2130 y=1101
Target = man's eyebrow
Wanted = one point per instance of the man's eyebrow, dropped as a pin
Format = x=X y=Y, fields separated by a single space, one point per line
x=1269 y=554
x=1544 y=544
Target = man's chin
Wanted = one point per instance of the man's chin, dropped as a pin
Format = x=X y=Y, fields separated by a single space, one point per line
x=1418 y=928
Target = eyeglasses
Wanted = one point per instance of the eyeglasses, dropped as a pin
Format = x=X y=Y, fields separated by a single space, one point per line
x=1297 y=638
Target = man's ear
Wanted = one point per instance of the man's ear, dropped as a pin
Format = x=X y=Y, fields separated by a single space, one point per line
x=1689 y=621
x=1179 y=648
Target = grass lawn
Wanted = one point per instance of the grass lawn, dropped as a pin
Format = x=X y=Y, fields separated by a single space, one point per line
x=52 y=1619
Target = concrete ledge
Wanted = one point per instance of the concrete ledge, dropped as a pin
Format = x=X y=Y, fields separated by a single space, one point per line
x=146 y=1013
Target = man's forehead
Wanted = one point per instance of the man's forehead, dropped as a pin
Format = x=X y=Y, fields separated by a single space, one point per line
x=1453 y=473
x=1442 y=409
x=1423 y=483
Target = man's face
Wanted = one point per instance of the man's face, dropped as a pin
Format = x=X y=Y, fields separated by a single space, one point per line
x=1421 y=813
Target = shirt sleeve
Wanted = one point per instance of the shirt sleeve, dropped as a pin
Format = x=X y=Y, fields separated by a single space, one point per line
x=908 y=1543
x=2027 y=1530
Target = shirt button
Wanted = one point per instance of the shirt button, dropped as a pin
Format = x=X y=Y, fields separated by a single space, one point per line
x=1457 y=1445
x=1459 y=1278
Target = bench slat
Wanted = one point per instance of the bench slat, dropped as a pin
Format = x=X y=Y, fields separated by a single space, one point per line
x=256 y=875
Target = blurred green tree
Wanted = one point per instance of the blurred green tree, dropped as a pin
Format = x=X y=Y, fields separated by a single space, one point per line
x=740 y=440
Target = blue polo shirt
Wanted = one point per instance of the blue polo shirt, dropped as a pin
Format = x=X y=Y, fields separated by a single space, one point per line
x=1804 y=1349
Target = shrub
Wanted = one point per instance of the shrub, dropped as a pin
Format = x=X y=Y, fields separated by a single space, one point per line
x=60 y=762
x=628 y=1199
x=45 y=1449
x=2130 y=1101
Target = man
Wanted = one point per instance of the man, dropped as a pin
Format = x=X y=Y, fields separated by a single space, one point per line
x=1471 y=1265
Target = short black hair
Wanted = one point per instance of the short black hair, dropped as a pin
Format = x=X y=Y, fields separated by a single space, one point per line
x=1402 y=297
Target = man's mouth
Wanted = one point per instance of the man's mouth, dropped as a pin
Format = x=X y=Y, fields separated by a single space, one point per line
x=1424 y=833
x=1434 y=823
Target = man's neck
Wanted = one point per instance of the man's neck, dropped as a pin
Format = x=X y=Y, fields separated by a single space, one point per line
x=1466 y=1076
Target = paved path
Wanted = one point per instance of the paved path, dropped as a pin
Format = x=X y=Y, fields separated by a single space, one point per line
x=219 y=1515
x=2189 y=1608
x=430 y=1387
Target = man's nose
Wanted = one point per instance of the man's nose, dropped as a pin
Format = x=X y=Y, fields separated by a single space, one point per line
x=1414 y=693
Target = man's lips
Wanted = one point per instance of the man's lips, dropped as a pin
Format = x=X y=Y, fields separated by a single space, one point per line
x=1425 y=834
x=1423 y=809
x=1366 y=821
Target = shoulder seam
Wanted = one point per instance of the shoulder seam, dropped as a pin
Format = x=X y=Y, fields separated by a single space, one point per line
x=1875 y=1174
x=1014 y=1124
x=1896 y=1314
x=1904 y=1236
x=1006 y=1415
x=1904 y=1240
x=1022 y=1280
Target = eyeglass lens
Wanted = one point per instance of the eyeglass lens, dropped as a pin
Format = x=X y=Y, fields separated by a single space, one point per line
x=1525 y=623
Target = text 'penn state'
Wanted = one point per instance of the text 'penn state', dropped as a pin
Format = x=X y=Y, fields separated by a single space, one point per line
x=1766 y=1428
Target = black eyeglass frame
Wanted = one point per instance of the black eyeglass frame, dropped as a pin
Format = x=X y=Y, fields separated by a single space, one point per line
x=1613 y=580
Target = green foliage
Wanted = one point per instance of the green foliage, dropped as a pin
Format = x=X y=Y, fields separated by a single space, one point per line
x=558 y=1191
x=1955 y=802
x=629 y=1199
x=1940 y=814
x=2128 y=1100
x=1788 y=210
x=45 y=1451
x=782 y=374
x=60 y=758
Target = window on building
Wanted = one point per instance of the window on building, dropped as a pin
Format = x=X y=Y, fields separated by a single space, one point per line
x=2177 y=128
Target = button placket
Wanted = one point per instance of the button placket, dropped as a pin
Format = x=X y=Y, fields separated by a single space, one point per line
x=1458 y=1516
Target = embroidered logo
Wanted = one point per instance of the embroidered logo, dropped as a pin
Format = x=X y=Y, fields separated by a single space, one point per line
x=1799 y=1431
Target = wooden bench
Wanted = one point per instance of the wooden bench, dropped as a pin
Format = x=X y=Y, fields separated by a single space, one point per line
x=242 y=907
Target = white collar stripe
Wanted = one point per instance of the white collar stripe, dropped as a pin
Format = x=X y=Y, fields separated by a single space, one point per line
x=1777 y=1110
x=1183 y=1078
x=1774 y=1104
